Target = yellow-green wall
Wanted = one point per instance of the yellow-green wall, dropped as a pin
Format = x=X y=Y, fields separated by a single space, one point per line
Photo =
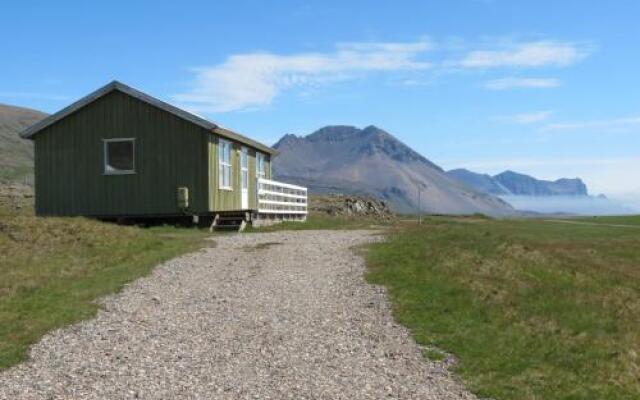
x=231 y=200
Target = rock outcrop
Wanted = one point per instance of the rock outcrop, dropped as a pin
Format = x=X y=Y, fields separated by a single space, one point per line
x=351 y=206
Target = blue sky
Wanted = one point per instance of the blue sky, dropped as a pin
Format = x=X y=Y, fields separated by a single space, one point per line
x=548 y=88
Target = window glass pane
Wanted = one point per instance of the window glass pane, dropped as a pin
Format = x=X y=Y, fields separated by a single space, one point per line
x=245 y=179
x=244 y=159
x=260 y=165
x=224 y=163
x=119 y=156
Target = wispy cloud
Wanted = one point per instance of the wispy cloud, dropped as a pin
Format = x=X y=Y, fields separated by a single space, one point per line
x=514 y=83
x=524 y=118
x=604 y=126
x=255 y=79
x=34 y=95
x=252 y=80
x=529 y=54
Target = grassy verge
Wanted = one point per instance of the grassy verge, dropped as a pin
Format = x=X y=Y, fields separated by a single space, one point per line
x=619 y=220
x=53 y=270
x=319 y=222
x=531 y=309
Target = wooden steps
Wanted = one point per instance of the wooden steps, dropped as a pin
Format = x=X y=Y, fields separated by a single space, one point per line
x=235 y=222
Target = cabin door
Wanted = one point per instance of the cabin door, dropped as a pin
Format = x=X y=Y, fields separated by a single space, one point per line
x=244 y=177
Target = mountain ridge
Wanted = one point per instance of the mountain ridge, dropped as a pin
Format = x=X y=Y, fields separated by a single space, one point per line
x=371 y=161
x=380 y=140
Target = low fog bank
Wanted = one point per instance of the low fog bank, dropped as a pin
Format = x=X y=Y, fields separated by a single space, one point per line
x=581 y=205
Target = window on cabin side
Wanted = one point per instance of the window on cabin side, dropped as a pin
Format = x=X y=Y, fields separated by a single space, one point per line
x=244 y=168
x=119 y=156
x=224 y=164
x=260 y=166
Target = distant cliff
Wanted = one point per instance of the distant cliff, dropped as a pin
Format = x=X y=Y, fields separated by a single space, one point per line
x=514 y=183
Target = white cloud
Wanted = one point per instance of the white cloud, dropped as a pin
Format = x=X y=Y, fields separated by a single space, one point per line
x=512 y=83
x=603 y=126
x=524 y=118
x=530 y=54
x=255 y=79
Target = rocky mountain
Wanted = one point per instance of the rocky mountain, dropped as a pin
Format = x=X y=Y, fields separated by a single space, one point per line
x=370 y=161
x=16 y=154
x=514 y=183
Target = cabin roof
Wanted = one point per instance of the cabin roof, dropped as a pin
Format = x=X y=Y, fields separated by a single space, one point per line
x=121 y=87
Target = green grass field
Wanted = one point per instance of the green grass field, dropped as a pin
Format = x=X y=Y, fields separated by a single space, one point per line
x=621 y=220
x=531 y=309
x=53 y=270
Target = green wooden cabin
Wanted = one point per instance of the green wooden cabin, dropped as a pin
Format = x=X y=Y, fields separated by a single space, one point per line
x=121 y=153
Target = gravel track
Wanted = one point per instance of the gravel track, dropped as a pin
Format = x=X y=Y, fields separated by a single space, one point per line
x=283 y=315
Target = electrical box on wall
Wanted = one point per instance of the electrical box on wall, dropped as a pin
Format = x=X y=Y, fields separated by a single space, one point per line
x=183 y=198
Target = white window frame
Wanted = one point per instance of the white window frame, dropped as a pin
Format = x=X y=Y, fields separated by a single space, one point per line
x=224 y=167
x=261 y=171
x=105 y=156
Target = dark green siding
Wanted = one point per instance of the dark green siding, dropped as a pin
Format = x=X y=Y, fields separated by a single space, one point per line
x=170 y=152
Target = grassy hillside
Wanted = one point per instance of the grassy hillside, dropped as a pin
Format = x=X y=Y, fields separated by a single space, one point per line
x=531 y=309
x=16 y=154
x=53 y=269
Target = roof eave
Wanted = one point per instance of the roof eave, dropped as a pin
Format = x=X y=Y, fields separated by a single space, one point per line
x=115 y=85
x=229 y=134
x=108 y=88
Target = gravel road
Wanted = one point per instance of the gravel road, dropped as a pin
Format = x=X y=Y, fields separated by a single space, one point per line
x=283 y=315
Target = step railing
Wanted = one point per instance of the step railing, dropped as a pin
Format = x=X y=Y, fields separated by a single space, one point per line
x=279 y=198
